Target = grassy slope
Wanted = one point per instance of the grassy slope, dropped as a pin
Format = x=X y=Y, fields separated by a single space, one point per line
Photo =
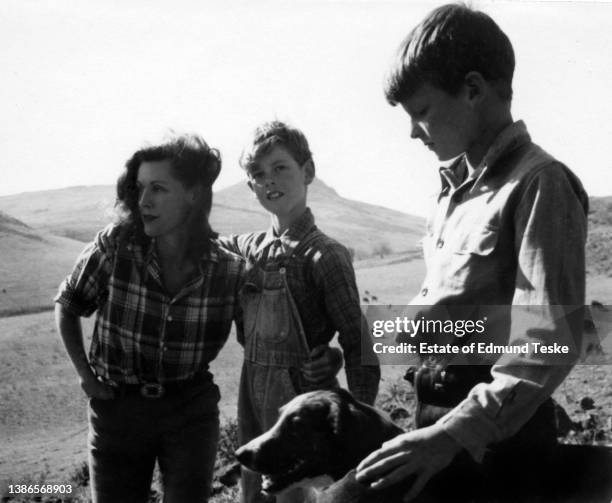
x=358 y=225
x=36 y=256
x=43 y=409
x=599 y=243
x=32 y=266
x=75 y=212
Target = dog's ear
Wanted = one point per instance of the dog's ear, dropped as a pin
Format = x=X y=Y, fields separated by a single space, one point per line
x=362 y=418
x=345 y=395
x=351 y=427
x=345 y=414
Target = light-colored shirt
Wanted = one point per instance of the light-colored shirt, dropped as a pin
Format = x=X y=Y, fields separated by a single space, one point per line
x=513 y=234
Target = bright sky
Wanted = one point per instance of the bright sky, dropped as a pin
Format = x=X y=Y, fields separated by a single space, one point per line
x=85 y=83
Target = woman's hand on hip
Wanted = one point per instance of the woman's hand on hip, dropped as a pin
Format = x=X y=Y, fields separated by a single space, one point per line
x=94 y=388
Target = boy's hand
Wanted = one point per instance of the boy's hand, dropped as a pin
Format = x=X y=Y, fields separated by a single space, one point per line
x=420 y=453
x=325 y=364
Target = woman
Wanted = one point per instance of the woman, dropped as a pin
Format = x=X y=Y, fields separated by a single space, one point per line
x=165 y=296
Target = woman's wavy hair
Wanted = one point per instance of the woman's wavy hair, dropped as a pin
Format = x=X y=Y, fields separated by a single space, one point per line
x=193 y=163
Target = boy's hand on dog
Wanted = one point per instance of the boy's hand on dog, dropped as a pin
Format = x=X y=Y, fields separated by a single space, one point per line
x=94 y=388
x=325 y=363
x=420 y=453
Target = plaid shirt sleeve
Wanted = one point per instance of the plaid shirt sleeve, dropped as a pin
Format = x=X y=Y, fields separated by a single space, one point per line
x=334 y=274
x=230 y=243
x=85 y=288
x=240 y=244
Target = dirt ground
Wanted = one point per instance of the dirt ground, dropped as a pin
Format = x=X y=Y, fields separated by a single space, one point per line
x=43 y=410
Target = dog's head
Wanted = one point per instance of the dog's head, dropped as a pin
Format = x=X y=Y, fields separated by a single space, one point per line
x=317 y=433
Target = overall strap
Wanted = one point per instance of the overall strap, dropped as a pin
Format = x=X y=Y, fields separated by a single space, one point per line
x=296 y=315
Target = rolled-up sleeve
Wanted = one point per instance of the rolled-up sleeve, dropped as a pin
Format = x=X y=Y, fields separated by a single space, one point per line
x=550 y=235
x=85 y=288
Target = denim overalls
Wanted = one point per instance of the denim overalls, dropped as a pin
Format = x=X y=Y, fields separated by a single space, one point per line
x=275 y=348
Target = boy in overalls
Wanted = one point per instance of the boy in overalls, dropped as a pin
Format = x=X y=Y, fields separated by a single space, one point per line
x=299 y=291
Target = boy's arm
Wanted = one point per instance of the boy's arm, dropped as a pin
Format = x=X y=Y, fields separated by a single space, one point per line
x=229 y=243
x=336 y=277
x=239 y=245
x=236 y=243
x=550 y=229
x=238 y=314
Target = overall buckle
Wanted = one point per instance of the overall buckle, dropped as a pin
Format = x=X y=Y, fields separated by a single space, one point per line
x=152 y=390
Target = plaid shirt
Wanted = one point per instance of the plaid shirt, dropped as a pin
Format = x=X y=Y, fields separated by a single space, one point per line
x=322 y=283
x=141 y=332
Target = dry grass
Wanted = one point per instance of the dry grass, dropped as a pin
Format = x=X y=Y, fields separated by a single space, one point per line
x=358 y=225
x=31 y=269
x=592 y=426
x=43 y=409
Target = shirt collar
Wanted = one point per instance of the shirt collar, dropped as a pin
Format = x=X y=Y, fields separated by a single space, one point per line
x=512 y=137
x=289 y=239
x=453 y=176
x=147 y=253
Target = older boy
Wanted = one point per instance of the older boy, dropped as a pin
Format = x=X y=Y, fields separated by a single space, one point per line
x=509 y=228
x=299 y=291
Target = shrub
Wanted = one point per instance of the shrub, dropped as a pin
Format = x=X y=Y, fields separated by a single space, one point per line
x=382 y=249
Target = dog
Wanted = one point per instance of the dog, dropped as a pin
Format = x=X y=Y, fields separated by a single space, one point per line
x=319 y=438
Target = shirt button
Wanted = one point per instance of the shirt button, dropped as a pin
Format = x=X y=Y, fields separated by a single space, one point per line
x=169 y=318
x=424 y=292
x=282 y=270
x=440 y=243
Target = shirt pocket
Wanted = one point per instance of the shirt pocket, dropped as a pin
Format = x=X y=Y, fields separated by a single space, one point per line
x=266 y=314
x=473 y=263
x=481 y=242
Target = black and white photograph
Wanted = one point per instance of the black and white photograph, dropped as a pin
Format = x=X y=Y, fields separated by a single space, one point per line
x=308 y=251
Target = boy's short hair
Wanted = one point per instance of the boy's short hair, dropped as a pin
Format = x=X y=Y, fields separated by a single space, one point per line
x=275 y=134
x=450 y=42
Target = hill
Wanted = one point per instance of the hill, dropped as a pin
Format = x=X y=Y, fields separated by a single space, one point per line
x=78 y=212
x=599 y=243
x=43 y=232
x=74 y=212
x=32 y=266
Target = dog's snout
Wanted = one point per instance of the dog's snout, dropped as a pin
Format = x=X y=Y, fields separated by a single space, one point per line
x=244 y=455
